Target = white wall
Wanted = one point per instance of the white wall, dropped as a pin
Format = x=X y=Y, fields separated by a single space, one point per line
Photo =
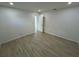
x=63 y=23
x=15 y=23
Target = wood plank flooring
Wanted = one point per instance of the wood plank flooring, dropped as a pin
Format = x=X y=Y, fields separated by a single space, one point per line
x=40 y=45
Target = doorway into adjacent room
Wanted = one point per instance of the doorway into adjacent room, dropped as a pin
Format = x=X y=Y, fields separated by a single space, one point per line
x=36 y=24
x=39 y=23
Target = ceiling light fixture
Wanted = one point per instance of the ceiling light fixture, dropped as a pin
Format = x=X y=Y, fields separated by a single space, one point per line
x=39 y=10
x=11 y=3
x=69 y=3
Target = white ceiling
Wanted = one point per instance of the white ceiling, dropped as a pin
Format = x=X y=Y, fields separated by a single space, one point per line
x=34 y=6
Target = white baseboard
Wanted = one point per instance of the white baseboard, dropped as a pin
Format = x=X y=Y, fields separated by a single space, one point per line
x=15 y=38
x=62 y=37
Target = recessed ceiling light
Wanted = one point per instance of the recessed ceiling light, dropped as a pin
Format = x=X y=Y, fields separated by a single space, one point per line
x=69 y=3
x=39 y=10
x=11 y=3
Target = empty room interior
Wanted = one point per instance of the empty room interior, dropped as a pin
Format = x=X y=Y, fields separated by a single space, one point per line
x=39 y=29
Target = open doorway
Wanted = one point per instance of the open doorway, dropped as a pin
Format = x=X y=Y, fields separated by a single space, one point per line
x=36 y=24
x=42 y=23
x=39 y=23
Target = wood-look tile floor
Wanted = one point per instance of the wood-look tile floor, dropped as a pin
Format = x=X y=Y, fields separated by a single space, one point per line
x=40 y=45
